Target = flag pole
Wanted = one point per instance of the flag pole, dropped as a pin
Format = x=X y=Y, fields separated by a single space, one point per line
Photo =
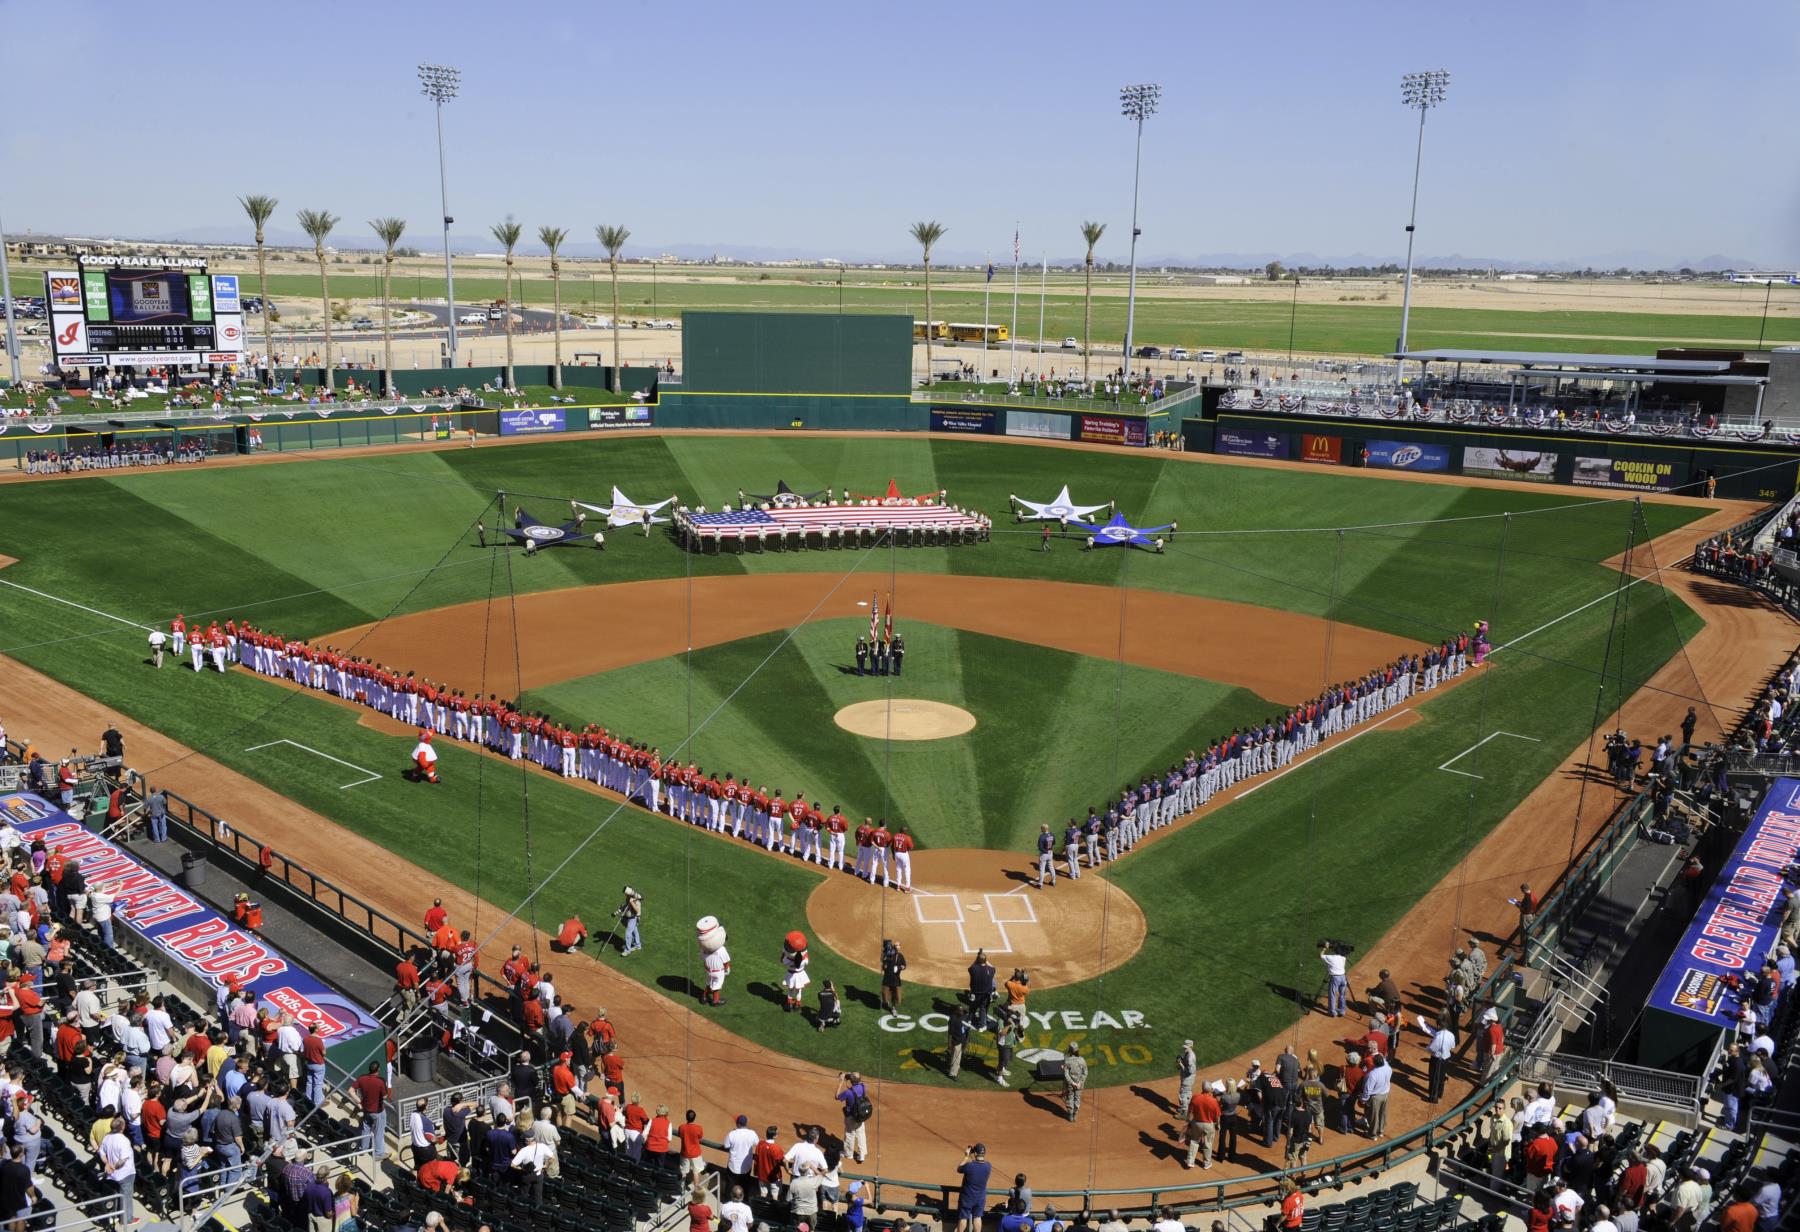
x=987 y=286
x=1043 y=282
x=1012 y=362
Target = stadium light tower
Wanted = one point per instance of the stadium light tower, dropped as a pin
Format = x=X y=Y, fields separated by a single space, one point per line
x=1137 y=103
x=438 y=83
x=6 y=304
x=1421 y=91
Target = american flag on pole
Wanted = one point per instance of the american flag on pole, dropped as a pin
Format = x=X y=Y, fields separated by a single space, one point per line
x=1015 y=245
x=874 y=616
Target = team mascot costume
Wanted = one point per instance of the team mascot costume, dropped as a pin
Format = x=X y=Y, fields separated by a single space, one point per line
x=709 y=934
x=793 y=963
x=424 y=759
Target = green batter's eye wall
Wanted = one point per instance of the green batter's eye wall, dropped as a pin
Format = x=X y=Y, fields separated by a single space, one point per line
x=796 y=353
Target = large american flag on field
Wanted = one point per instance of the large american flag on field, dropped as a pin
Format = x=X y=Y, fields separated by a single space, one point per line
x=826 y=517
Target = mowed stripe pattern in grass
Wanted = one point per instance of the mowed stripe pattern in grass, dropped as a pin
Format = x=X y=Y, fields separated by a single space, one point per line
x=1055 y=732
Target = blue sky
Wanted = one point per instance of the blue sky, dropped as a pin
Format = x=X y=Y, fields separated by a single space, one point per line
x=1574 y=131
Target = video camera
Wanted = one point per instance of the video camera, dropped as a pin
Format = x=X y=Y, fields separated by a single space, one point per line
x=1334 y=945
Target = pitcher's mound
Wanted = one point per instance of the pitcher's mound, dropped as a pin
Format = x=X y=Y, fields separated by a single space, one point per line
x=904 y=718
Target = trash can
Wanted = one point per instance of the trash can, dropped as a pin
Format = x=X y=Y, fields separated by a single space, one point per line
x=193 y=869
x=421 y=1063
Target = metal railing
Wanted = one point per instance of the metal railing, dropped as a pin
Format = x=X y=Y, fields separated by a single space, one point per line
x=1661 y=1087
x=1125 y=404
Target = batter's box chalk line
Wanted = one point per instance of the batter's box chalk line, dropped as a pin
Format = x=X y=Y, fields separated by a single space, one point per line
x=1010 y=908
x=369 y=776
x=1467 y=774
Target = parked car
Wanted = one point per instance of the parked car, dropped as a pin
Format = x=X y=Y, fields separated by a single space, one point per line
x=472 y=318
x=362 y=323
x=496 y=314
x=1071 y=344
x=1149 y=352
x=1178 y=353
x=1234 y=357
x=1208 y=357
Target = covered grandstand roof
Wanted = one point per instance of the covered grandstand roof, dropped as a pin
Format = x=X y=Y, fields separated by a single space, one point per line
x=1610 y=364
x=1643 y=378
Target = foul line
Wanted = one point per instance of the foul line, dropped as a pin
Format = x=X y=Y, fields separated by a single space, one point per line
x=71 y=603
x=1652 y=576
x=1514 y=735
x=371 y=775
x=1293 y=766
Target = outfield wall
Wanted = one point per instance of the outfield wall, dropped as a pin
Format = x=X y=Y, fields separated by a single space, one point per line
x=1744 y=472
x=794 y=352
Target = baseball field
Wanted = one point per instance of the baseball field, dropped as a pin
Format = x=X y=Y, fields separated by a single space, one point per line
x=1080 y=670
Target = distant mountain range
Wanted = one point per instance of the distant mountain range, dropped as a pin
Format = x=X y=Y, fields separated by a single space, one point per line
x=349 y=240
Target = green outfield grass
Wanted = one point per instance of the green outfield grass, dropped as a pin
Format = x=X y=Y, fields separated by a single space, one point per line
x=1259 y=324
x=1342 y=847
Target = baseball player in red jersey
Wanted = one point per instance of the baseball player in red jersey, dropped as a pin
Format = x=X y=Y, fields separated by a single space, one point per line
x=881 y=841
x=810 y=847
x=835 y=826
x=759 y=815
x=215 y=637
x=902 y=847
x=567 y=741
x=777 y=808
x=865 y=851
x=231 y=640
x=178 y=634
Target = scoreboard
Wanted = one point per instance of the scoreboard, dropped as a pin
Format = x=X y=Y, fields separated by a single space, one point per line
x=132 y=311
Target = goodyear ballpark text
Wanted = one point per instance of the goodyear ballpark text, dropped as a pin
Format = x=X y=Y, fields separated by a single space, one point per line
x=1049 y=1020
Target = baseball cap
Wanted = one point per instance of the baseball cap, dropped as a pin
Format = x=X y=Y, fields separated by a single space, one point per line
x=855 y=1186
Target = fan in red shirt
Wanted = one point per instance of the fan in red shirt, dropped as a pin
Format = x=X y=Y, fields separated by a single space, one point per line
x=564 y=1086
x=440 y=1176
x=693 y=1167
x=765 y=1163
x=572 y=935
x=437 y=917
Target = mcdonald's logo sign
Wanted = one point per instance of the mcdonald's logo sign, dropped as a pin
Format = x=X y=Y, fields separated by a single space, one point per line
x=1326 y=449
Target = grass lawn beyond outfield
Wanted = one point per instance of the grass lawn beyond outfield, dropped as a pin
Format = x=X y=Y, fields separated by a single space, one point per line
x=316 y=547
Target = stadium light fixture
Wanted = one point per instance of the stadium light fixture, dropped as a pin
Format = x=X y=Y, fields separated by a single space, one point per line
x=1422 y=92
x=439 y=83
x=1137 y=103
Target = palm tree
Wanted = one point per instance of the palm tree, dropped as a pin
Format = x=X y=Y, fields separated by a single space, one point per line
x=260 y=208
x=389 y=231
x=612 y=238
x=927 y=234
x=552 y=238
x=318 y=224
x=508 y=234
x=1091 y=232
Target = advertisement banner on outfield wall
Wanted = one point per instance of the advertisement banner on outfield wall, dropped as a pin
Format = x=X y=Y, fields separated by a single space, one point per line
x=620 y=417
x=1509 y=464
x=1039 y=424
x=1635 y=473
x=529 y=421
x=1736 y=927
x=1250 y=444
x=1406 y=456
x=192 y=934
x=1113 y=430
x=1323 y=449
x=946 y=419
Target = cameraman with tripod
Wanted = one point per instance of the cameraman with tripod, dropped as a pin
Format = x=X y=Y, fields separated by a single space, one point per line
x=1334 y=955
